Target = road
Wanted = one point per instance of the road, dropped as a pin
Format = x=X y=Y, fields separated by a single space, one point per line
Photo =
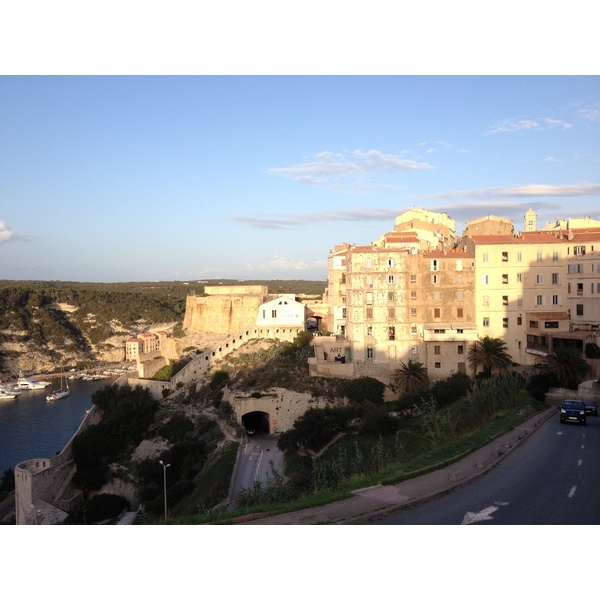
x=552 y=478
x=258 y=458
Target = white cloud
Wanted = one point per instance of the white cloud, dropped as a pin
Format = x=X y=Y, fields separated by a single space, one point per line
x=7 y=235
x=519 y=125
x=590 y=113
x=327 y=168
x=285 y=264
x=581 y=189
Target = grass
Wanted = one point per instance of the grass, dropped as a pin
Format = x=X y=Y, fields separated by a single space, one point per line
x=418 y=456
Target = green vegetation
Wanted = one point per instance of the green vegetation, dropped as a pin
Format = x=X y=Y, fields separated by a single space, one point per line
x=168 y=371
x=101 y=508
x=490 y=354
x=564 y=367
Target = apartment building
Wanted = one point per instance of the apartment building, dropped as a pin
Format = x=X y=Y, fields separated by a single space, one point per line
x=143 y=343
x=409 y=295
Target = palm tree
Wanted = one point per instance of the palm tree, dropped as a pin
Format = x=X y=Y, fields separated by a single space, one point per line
x=410 y=377
x=565 y=366
x=491 y=354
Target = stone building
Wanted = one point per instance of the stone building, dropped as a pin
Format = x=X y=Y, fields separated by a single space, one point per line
x=409 y=295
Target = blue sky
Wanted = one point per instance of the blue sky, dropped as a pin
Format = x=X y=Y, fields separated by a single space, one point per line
x=108 y=178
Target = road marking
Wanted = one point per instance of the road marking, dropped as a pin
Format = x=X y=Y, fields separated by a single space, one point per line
x=572 y=492
x=482 y=515
x=560 y=433
x=579 y=463
x=582 y=446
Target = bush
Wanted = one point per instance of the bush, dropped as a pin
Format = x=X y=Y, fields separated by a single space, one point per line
x=176 y=428
x=379 y=421
x=100 y=508
x=364 y=389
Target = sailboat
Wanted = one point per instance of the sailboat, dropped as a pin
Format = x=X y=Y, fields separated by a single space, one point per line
x=60 y=392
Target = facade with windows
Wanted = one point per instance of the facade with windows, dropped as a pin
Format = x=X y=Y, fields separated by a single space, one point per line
x=410 y=295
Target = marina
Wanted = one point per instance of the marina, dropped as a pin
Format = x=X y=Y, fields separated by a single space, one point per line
x=32 y=427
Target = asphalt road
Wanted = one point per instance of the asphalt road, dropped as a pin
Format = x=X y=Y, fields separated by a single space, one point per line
x=258 y=458
x=552 y=478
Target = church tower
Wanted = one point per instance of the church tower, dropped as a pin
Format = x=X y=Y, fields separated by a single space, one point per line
x=530 y=221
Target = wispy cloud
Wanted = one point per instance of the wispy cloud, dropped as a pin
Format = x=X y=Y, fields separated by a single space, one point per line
x=7 y=235
x=327 y=168
x=590 y=113
x=525 y=191
x=285 y=264
x=520 y=125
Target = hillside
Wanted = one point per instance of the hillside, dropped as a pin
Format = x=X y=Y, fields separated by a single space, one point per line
x=44 y=324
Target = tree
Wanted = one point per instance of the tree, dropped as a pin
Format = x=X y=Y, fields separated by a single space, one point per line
x=565 y=366
x=489 y=353
x=410 y=377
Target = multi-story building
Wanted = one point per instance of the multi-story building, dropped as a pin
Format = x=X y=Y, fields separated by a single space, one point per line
x=411 y=295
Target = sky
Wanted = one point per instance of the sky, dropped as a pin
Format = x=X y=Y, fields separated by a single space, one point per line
x=119 y=178
x=136 y=171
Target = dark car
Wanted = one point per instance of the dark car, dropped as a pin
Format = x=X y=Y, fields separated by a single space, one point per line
x=591 y=408
x=572 y=411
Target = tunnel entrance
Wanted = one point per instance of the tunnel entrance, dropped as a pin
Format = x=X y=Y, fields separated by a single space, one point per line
x=256 y=422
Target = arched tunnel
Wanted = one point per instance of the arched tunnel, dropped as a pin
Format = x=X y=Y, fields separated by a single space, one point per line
x=256 y=422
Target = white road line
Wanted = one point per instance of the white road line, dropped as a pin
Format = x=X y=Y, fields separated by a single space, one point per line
x=582 y=446
x=579 y=463
x=572 y=492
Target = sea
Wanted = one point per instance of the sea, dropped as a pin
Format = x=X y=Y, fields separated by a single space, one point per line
x=32 y=427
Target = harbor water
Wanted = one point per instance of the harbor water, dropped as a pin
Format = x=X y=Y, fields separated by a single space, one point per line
x=32 y=427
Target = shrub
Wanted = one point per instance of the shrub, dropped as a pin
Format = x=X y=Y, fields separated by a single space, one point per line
x=176 y=427
x=100 y=508
x=364 y=389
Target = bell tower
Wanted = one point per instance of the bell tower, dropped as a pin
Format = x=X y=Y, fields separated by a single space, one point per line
x=530 y=221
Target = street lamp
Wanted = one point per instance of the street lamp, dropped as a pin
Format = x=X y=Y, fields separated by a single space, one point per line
x=165 y=484
x=36 y=513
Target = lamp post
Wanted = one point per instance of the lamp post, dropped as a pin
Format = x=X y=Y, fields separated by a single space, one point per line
x=36 y=513
x=165 y=484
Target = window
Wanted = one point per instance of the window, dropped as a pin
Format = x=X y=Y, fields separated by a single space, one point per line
x=391 y=313
x=519 y=320
x=415 y=349
x=343 y=312
x=413 y=330
x=575 y=268
x=485 y=257
x=555 y=278
x=504 y=300
x=439 y=331
x=505 y=322
x=435 y=265
x=370 y=352
x=413 y=279
x=391 y=263
x=368 y=263
x=459 y=313
x=435 y=279
x=505 y=257
x=460 y=349
x=437 y=349
x=579 y=311
x=486 y=301
x=540 y=300
x=436 y=296
x=369 y=280
x=413 y=312
x=392 y=352
x=533 y=324
x=580 y=289
x=264 y=314
x=551 y=324
x=459 y=278
x=437 y=313
x=485 y=279
x=505 y=278
x=539 y=257
x=556 y=300
x=519 y=300
x=391 y=279
x=413 y=295
x=459 y=264
x=486 y=321
x=369 y=298
x=369 y=330
x=437 y=365
x=539 y=278
x=391 y=333
x=519 y=257
x=391 y=296
x=274 y=314
x=460 y=295
x=519 y=277
x=555 y=256
x=579 y=250
x=369 y=313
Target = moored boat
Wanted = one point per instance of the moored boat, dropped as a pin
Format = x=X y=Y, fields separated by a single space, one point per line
x=23 y=383
x=6 y=394
x=61 y=392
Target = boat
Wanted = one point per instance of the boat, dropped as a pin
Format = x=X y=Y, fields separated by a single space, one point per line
x=6 y=394
x=60 y=392
x=23 y=383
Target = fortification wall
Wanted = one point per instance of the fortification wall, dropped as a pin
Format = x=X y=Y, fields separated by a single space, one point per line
x=220 y=314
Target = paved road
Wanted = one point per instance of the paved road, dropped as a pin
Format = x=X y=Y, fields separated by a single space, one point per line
x=552 y=478
x=257 y=460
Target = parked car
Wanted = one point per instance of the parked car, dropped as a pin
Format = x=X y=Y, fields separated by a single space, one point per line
x=591 y=408
x=572 y=411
